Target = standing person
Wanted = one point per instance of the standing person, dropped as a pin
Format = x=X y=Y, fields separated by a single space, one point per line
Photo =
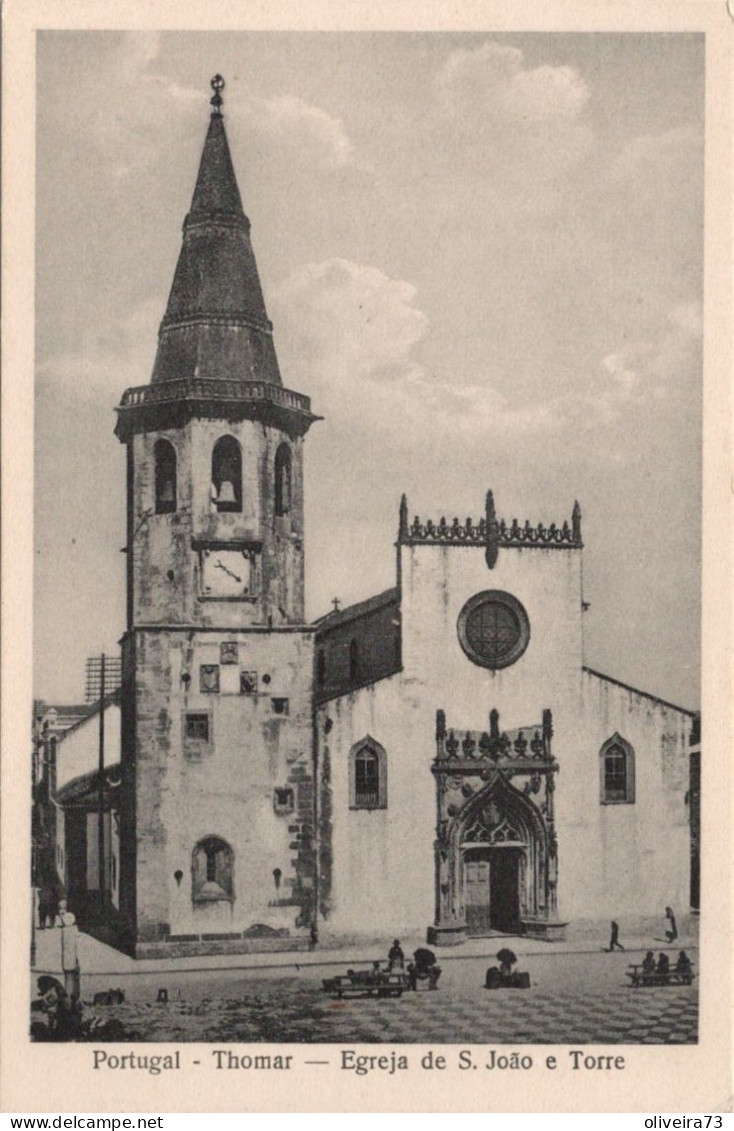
x=69 y=959
x=395 y=956
x=614 y=940
x=43 y=906
x=52 y=904
x=672 y=933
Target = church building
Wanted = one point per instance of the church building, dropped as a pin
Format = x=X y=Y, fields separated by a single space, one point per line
x=435 y=760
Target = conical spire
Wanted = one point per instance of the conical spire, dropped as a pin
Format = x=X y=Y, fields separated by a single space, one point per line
x=216 y=325
x=216 y=192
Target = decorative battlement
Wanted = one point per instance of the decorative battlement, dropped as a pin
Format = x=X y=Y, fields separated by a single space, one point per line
x=490 y=532
x=528 y=748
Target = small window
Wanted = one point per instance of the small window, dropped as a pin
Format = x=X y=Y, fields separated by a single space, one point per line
x=164 y=454
x=321 y=668
x=353 y=662
x=227 y=475
x=368 y=776
x=209 y=677
x=279 y=706
x=283 y=480
x=228 y=653
x=283 y=800
x=197 y=727
x=248 y=683
x=617 y=772
x=212 y=870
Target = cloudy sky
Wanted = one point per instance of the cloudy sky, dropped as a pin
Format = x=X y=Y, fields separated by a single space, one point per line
x=483 y=258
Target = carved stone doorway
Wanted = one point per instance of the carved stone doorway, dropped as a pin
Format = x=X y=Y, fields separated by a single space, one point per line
x=495 y=849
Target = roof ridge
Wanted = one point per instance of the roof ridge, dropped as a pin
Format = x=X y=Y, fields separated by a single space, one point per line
x=349 y=612
x=639 y=691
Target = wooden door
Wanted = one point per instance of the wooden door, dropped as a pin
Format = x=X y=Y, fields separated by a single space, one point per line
x=476 y=896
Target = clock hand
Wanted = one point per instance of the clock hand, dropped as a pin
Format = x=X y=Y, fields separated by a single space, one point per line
x=218 y=565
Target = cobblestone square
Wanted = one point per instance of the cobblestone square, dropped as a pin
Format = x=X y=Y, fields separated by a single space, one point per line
x=573 y=999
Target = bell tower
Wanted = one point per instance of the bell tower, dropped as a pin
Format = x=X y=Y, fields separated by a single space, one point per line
x=216 y=658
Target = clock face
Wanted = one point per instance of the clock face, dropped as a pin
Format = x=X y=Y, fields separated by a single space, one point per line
x=226 y=573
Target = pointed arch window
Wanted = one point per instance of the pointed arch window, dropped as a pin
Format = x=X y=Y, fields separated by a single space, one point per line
x=164 y=455
x=212 y=870
x=227 y=474
x=617 y=772
x=368 y=775
x=283 y=480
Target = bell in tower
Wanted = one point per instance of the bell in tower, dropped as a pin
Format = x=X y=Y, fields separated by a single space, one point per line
x=216 y=621
x=224 y=435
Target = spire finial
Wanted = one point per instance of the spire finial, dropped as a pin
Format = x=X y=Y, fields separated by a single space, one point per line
x=217 y=85
x=492 y=550
x=403 y=527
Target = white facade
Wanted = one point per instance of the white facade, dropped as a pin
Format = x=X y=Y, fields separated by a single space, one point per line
x=613 y=859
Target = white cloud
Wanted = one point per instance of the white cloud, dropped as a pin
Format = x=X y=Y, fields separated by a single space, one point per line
x=109 y=361
x=650 y=153
x=492 y=80
x=355 y=331
x=301 y=125
x=546 y=93
x=653 y=368
x=352 y=318
x=137 y=104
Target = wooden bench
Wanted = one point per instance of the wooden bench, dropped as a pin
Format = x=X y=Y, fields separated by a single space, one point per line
x=672 y=977
x=366 y=983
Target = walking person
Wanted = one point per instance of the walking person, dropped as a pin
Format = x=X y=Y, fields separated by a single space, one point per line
x=672 y=933
x=614 y=943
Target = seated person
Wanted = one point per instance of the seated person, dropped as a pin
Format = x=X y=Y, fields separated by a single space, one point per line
x=395 y=956
x=684 y=968
x=504 y=975
x=648 y=967
x=63 y=1015
x=663 y=966
x=423 y=966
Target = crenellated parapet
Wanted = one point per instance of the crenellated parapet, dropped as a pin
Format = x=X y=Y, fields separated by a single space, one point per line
x=490 y=532
x=515 y=751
